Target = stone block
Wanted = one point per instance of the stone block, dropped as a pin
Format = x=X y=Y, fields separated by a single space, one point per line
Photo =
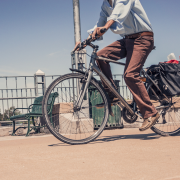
x=62 y=108
x=74 y=126
x=44 y=130
x=20 y=131
x=4 y=131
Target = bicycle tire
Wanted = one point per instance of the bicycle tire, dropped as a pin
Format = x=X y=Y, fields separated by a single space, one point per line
x=80 y=129
x=169 y=122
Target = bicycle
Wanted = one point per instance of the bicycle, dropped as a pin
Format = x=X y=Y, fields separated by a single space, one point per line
x=74 y=122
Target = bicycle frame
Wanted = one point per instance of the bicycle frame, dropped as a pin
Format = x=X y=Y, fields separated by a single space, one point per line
x=89 y=72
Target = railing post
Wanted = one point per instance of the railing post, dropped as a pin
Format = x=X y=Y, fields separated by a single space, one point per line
x=40 y=74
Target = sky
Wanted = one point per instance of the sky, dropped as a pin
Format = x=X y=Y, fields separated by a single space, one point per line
x=39 y=34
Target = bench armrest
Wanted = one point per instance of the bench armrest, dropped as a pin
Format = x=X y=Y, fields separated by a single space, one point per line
x=18 y=108
x=37 y=105
x=33 y=105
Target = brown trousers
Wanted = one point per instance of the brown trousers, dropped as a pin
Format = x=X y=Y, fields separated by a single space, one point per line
x=136 y=52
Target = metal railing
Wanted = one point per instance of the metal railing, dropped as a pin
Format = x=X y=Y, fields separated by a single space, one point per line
x=20 y=91
x=123 y=89
x=14 y=92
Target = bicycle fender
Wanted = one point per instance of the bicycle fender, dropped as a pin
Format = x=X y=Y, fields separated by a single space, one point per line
x=77 y=70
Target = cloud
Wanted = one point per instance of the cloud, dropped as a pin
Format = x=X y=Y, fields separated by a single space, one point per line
x=62 y=51
x=53 y=53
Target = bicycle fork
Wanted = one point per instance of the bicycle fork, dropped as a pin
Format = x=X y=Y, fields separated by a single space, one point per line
x=86 y=81
x=85 y=84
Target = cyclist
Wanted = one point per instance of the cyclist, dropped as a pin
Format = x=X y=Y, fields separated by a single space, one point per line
x=128 y=19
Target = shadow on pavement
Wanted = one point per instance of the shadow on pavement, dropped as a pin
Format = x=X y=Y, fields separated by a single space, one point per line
x=59 y=144
x=132 y=136
x=103 y=139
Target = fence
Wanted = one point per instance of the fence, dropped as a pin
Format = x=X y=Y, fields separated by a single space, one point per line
x=20 y=91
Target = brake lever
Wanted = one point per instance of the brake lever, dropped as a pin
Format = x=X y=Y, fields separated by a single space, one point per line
x=80 y=46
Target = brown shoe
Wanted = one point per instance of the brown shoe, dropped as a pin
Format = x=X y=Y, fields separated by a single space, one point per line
x=149 y=122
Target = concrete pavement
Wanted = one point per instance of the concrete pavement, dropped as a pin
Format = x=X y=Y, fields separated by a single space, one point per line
x=123 y=154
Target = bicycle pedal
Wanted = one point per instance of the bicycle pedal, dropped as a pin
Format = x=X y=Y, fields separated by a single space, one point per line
x=99 y=107
x=114 y=104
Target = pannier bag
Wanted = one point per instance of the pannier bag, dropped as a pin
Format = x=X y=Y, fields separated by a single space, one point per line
x=167 y=76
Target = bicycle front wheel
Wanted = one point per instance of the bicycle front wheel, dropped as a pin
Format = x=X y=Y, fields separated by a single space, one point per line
x=68 y=123
x=169 y=122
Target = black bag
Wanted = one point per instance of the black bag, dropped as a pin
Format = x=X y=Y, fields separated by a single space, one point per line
x=167 y=76
x=154 y=72
x=169 y=80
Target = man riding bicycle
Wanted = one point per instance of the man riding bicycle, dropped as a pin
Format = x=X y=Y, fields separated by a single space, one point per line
x=128 y=19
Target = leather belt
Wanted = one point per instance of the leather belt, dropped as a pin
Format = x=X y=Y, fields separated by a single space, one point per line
x=134 y=36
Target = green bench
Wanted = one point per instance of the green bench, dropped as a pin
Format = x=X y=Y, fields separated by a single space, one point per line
x=34 y=110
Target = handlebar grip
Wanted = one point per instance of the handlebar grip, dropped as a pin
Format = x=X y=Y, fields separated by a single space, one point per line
x=81 y=46
x=103 y=30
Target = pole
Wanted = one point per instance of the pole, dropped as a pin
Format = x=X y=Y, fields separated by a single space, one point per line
x=78 y=58
x=77 y=26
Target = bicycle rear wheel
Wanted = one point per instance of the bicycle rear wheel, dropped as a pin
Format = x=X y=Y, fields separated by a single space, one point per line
x=169 y=122
x=68 y=123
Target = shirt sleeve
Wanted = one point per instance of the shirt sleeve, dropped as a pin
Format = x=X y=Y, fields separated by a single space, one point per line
x=101 y=22
x=102 y=19
x=121 y=10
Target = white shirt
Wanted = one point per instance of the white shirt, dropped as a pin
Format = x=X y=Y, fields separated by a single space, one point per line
x=129 y=17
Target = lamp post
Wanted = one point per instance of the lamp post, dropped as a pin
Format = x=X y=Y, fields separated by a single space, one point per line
x=77 y=26
x=78 y=59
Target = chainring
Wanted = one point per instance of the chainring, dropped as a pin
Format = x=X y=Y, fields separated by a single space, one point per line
x=128 y=117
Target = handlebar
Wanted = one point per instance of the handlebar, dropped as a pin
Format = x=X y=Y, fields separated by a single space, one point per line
x=103 y=30
x=88 y=41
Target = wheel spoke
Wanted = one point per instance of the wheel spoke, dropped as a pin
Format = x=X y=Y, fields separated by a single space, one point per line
x=76 y=126
x=169 y=121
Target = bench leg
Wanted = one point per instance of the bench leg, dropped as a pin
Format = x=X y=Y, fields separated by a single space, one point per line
x=33 y=121
x=14 y=128
x=28 y=131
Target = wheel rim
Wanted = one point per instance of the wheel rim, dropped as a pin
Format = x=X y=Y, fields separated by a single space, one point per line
x=72 y=125
x=169 y=121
